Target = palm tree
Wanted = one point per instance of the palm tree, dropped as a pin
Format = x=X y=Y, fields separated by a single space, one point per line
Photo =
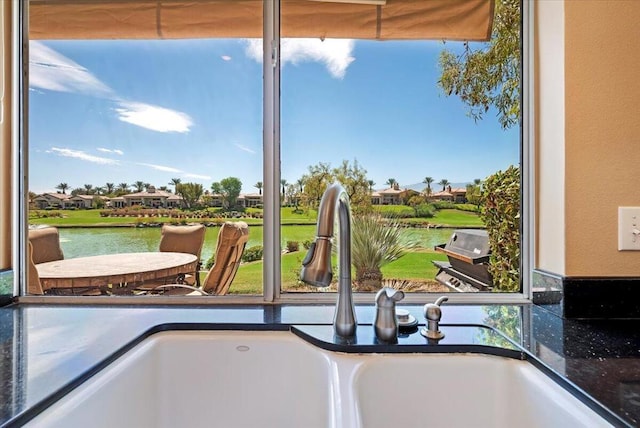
x=110 y=187
x=88 y=189
x=63 y=187
x=300 y=183
x=284 y=184
x=371 y=184
x=123 y=187
x=98 y=190
x=258 y=186
x=175 y=182
x=139 y=185
x=444 y=183
x=392 y=182
x=477 y=182
x=428 y=181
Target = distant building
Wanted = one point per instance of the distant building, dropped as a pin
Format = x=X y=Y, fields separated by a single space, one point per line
x=456 y=195
x=152 y=198
x=249 y=200
x=51 y=200
x=392 y=196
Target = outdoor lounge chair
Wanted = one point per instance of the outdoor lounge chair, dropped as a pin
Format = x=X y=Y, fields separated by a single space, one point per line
x=33 y=281
x=46 y=245
x=183 y=239
x=232 y=239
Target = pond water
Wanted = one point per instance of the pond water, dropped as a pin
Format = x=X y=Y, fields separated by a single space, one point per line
x=89 y=241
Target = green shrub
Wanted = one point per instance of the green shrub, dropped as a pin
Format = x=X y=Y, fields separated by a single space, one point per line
x=425 y=211
x=292 y=246
x=306 y=244
x=468 y=207
x=252 y=254
x=501 y=215
x=209 y=264
x=444 y=205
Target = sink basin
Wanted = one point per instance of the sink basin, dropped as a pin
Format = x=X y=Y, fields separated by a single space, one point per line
x=204 y=378
x=463 y=390
x=276 y=379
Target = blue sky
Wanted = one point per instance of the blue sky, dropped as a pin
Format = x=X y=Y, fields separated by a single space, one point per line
x=123 y=111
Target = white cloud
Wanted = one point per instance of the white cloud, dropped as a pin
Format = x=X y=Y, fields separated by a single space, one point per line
x=161 y=167
x=115 y=151
x=198 y=176
x=78 y=154
x=335 y=54
x=245 y=149
x=226 y=58
x=173 y=171
x=52 y=71
x=152 y=117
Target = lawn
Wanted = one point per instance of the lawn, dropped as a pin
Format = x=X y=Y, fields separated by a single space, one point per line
x=93 y=218
x=412 y=266
x=446 y=217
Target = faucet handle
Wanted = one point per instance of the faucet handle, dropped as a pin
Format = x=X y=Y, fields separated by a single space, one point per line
x=432 y=311
x=387 y=297
x=433 y=314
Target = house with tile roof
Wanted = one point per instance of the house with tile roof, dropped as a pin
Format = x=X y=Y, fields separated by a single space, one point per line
x=392 y=196
x=51 y=200
x=456 y=195
x=152 y=198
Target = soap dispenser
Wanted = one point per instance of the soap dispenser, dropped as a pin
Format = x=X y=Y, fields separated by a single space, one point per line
x=386 y=323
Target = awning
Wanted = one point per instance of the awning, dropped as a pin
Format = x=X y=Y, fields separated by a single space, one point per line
x=177 y=19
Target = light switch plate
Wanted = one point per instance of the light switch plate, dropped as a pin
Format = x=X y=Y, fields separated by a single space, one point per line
x=628 y=228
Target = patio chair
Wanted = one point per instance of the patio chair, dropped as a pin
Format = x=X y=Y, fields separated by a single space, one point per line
x=33 y=280
x=46 y=245
x=183 y=239
x=232 y=239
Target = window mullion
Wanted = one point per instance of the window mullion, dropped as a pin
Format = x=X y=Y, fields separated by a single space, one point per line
x=271 y=144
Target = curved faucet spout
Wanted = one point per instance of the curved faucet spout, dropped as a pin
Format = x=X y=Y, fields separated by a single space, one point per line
x=316 y=266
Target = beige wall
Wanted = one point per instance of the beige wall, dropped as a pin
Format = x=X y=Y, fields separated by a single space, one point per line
x=601 y=135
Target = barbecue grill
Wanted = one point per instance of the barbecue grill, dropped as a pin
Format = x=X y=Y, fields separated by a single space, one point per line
x=468 y=253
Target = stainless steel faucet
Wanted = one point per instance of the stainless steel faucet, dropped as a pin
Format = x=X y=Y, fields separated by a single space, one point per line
x=316 y=266
x=385 y=324
x=433 y=314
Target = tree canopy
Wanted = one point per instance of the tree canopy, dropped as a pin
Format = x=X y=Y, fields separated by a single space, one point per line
x=229 y=188
x=351 y=176
x=488 y=75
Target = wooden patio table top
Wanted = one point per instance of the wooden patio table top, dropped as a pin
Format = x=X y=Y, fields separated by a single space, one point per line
x=114 y=269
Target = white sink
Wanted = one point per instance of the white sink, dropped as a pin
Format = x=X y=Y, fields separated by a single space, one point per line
x=204 y=378
x=275 y=379
x=463 y=390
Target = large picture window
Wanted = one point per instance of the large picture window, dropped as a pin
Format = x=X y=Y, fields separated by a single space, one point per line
x=147 y=135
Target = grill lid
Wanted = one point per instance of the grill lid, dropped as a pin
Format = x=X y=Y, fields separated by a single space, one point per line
x=468 y=245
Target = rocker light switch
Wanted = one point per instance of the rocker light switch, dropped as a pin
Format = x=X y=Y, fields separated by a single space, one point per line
x=628 y=228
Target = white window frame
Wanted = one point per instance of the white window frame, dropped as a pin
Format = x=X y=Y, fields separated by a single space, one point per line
x=271 y=173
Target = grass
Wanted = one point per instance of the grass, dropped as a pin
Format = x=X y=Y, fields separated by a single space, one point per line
x=412 y=266
x=446 y=217
x=93 y=218
x=455 y=218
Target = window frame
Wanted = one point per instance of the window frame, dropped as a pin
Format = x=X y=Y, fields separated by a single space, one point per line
x=271 y=174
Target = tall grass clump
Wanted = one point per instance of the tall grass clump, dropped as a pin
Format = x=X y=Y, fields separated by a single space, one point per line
x=376 y=241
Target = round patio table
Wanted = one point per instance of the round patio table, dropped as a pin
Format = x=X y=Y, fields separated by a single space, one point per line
x=116 y=270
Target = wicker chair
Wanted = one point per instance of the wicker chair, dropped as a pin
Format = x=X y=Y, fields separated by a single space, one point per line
x=33 y=279
x=183 y=239
x=232 y=239
x=46 y=245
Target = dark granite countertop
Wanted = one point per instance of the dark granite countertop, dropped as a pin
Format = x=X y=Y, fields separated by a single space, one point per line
x=46 y=350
